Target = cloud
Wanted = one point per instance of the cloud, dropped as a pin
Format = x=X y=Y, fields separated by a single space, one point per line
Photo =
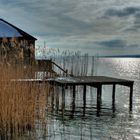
x=122 y=11
x=134 y=46
x=56 y=18
x=119 y=45
x=51 y=17
x=127 y=18
x=80 y=24
x=133 y=21
x=115 y=43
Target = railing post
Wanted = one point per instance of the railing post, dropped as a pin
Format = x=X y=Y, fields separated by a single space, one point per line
x=65 y=71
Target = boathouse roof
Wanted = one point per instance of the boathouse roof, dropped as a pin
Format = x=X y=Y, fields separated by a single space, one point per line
x=9 y=31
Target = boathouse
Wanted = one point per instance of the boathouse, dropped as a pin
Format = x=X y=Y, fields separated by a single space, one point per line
x=15 y=44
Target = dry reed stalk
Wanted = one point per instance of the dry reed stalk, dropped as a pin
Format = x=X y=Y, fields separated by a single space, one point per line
x=21 y=104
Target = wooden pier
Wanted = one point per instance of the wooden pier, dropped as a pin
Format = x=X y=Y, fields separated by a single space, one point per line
x=93 y=81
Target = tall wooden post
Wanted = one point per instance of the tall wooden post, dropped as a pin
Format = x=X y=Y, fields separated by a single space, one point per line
x=73 y=94
x=84 y=95
x=113 y=97
x=84 y=99
x=73 y=101
x=131 y=97
x=99 y=93
x=63 y=99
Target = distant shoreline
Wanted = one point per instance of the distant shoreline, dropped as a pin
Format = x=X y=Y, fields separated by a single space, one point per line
x=122 y=56
x=96 y=56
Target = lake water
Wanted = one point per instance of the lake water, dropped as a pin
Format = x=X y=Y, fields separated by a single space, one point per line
x=84 y=124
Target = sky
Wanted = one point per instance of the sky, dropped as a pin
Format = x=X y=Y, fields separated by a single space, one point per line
x=99 y=27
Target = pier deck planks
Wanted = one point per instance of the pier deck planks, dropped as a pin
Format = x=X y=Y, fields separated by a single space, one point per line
x=93 y=81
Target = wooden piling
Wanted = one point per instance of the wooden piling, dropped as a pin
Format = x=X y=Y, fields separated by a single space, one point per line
x=99 y=93
x=63 y=99
x=113 y=93
x=84 y=95
x=131 y=97
x=113 y=97
x=73 y=100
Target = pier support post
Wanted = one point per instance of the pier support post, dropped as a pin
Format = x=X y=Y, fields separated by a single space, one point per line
x=84 y=99
x=131 y=97
x=73 y=101
x=99 y=93
x=84 y=95
x=63 y=99
x=113 y=97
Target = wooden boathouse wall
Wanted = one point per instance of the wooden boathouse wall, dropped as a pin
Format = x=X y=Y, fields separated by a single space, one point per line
x=17 y=50
x=16 y=45
x=44 y=65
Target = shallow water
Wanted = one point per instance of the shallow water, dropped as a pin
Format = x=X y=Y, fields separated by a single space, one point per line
x=84 y=123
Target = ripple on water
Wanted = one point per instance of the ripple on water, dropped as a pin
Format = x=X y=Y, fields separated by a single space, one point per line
x=118 y=125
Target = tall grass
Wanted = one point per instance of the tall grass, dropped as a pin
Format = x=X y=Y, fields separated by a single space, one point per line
x=21 y=104
x=77 y=63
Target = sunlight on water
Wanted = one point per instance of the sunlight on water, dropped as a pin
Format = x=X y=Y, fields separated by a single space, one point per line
x=128 y=67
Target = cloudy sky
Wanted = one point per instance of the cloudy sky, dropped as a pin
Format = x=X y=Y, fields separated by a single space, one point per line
x=100 y=27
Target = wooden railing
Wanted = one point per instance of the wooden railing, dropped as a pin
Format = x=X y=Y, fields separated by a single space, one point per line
x=65 y=71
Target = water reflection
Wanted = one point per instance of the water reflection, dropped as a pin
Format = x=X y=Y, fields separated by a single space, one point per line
x=80 y=122
x=123 y=67
x=84 y=121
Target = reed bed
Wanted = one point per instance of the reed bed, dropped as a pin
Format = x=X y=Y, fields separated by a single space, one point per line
x=77 y=63
x=21 y=104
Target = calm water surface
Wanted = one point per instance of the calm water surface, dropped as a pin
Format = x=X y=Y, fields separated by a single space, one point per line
x=84 y=124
